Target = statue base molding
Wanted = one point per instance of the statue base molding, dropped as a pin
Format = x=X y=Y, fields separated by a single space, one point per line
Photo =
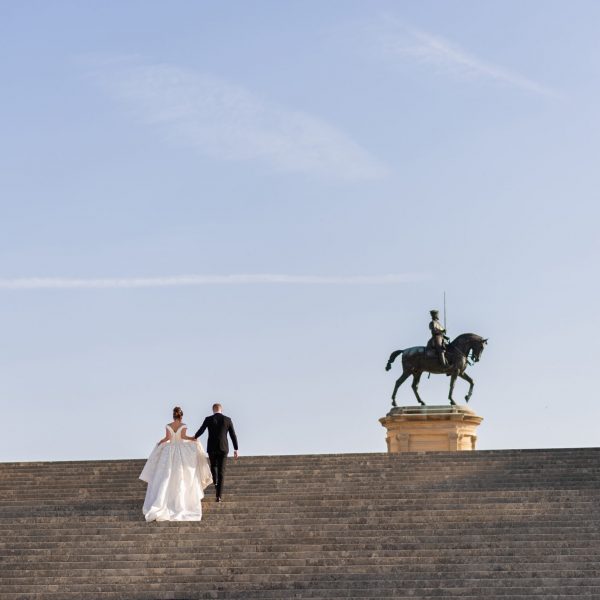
x=431 y=428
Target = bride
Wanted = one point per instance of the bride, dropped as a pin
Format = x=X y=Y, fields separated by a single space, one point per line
x=177 y=471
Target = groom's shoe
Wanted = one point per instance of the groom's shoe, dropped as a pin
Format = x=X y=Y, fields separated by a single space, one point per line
x=219 y=499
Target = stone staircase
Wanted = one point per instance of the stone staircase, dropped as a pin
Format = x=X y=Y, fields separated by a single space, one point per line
x=489 y=524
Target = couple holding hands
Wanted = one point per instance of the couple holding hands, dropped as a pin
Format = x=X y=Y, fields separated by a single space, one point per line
x=177 y=471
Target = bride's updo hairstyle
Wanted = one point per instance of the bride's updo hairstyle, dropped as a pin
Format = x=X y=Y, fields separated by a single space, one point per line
x=177 y=413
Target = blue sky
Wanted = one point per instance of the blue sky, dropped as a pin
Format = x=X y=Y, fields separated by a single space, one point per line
x=255 y=203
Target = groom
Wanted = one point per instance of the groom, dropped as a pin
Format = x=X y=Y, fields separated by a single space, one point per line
x=218 y=426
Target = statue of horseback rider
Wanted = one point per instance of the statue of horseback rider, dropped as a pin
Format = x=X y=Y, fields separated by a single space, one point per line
x=438 y=338
x=439 y=358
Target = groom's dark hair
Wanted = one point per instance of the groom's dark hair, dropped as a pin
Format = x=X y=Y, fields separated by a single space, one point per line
x=217 y=407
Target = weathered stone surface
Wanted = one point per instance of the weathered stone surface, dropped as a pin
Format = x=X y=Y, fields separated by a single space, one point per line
x=487 y=524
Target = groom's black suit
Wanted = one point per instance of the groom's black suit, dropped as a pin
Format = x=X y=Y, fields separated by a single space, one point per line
x=218 y=426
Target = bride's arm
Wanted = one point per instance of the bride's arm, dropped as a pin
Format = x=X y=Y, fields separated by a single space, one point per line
x=166 y=438
x=184 y=435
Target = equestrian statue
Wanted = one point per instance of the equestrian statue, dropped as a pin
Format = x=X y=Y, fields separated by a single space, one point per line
x=440 y=356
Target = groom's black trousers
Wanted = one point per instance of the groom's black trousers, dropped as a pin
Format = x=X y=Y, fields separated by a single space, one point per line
x=218 y=460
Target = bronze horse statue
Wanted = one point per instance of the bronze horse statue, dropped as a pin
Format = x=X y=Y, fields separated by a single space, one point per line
x=418 y=360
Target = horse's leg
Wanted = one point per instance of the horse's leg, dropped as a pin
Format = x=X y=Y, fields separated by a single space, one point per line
x=405 y=375
x=452 y=382
x=471 y=384
x=415 y=386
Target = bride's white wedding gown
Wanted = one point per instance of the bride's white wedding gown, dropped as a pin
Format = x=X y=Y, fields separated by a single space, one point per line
x=177 y=471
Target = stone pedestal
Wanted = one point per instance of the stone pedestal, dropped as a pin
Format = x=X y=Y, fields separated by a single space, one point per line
x=426 y=428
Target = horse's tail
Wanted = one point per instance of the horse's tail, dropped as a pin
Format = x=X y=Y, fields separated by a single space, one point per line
x=392 y=358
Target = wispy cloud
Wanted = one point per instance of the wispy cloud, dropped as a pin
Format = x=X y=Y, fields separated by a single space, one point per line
x=394 y=40
x=62 y=283
x=229 y=122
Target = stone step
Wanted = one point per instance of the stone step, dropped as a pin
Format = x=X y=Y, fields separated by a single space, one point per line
x=127 y=515
x=371 y=518
x=485 y=581
x=422 y=471
x=192 y=555
x=435 y=507
x=252 y=476
x=278 y=463
x=130 y=571
x=327 y=489
x=250 y=471
x=213 y=577
x=76 y=559
x=367 y=472
x=375 y=592
x=233 y=507
x=526 y=543
x=410 y=484
x=326 y=485
x=313 y=484
x=330 y=489
x=265 y=560
x=379 y=593
x=390 y=518
x=493 y=579
x=450 y=522
x=435 y=502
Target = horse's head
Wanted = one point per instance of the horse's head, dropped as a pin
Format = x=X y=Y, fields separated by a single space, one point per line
x=477 y=348
x=469 y=345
